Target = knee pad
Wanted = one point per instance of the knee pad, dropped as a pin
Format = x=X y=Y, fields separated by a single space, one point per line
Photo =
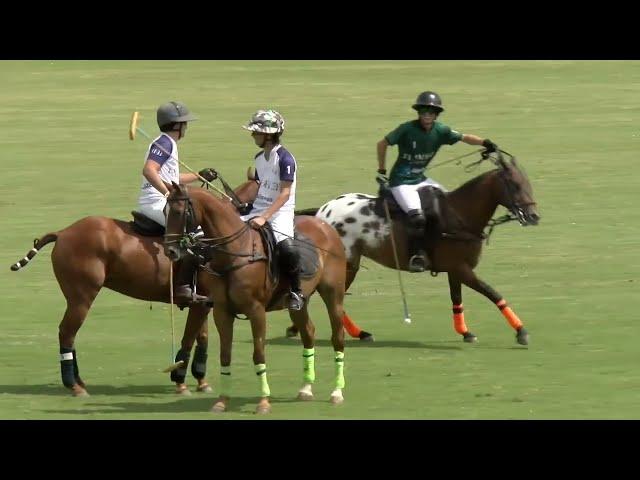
x=289 y=254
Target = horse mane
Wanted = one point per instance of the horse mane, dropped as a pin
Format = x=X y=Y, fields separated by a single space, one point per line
x=207 y=196
x=472 y=182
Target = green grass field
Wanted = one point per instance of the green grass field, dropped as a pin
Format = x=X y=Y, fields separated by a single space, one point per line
x=573 y=280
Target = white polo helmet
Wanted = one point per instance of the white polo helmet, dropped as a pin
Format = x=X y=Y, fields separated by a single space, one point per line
x=266 y=121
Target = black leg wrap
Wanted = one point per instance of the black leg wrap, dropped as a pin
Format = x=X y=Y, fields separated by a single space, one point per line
x=199 y=365
x=179 y=374
x=67 y=368
x=76 y=371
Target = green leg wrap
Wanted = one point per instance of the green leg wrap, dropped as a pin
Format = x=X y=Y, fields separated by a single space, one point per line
x=309 y=366
x=339 y=369
x=261 y=372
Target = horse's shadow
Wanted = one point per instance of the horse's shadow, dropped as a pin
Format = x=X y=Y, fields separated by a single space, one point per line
x=320 y=342
x=197 y=403
x=57 y=390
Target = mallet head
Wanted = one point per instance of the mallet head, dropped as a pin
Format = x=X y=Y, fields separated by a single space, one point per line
x=133 y=125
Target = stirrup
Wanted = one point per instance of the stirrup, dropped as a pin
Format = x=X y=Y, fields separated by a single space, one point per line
x=296 y=300
x=417 y=263
x=184 y=294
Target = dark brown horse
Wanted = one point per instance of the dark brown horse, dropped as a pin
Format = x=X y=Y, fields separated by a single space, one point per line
x=463 y=215
x=239 y=282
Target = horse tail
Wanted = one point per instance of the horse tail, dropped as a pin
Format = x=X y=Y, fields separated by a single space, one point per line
x=307 y=211
x=38 y=243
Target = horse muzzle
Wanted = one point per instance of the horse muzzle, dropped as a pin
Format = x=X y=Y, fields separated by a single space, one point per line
x=527 y=218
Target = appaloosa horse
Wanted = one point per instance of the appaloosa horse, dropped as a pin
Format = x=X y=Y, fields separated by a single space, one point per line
x=241 y=281
x=454 y=238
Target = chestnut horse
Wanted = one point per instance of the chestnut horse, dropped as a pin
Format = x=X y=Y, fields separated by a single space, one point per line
x=97 y=252
x=239 y=282
x=454 y=246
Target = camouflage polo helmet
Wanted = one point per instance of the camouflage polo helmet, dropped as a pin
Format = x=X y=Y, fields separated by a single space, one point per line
x=265 y=121
x=429 y=99
x=173 y=112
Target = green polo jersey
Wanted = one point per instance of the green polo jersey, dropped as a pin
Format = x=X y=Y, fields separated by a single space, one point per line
x=416 y=148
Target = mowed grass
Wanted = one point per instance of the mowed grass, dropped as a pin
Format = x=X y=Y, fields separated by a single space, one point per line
x=573 y=280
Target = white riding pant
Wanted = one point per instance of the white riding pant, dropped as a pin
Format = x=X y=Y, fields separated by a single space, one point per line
x=281 y=223
x=155 y=211
x=408 y=197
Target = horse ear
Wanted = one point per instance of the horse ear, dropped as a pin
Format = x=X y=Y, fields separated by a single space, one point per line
x=251 y=173
x=170 y=186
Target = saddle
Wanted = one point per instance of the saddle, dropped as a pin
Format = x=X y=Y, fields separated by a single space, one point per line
x=434 y=206
x=308 y=262
x=308 y=253
x=145 y=226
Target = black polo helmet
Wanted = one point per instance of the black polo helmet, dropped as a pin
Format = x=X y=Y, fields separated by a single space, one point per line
x=429 y=99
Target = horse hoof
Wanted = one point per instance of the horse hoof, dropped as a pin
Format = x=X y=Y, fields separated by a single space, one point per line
x=291 y=332
x=469 y=338
x=366 y=336
x=219 y=407
x=81 y=383
x=336 y=397
x=263 y=407
x=78 y=391
x=182 y=390
x=305 y=396
x=522 y=337
x=204 y=388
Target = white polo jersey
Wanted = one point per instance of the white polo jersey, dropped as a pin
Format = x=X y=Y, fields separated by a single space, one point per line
x=280 y=166
x=167 y=158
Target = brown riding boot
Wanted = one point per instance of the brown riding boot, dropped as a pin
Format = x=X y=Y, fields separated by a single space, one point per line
x=184 y=294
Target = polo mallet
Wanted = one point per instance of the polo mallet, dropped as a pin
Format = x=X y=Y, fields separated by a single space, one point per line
x=134 y=128
x=174 y=365
x=407 y=316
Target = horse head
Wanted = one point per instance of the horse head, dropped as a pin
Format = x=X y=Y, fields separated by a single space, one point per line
x=181 y=222
x=517 y=194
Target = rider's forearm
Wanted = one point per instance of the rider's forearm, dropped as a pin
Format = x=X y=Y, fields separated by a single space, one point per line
x=472 y=139
x=382 y=153
x=188 y=177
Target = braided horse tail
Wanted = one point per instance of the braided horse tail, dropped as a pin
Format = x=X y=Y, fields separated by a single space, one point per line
x=37 y=245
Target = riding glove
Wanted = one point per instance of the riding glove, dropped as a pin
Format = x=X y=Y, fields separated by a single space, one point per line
x=209 y=174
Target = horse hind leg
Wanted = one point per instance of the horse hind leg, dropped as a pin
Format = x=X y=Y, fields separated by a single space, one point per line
x=80 y=288
x=459 y=325
x=333 y=300
x=307 y=330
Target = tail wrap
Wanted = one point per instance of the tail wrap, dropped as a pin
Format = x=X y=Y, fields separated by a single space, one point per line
x=37 y=246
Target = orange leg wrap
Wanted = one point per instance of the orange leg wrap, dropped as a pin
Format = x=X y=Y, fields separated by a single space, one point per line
x=352 y=329
x=509 y=314
x=458 y=320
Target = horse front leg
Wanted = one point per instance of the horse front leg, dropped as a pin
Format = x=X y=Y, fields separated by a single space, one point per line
x=307 y=331
x=193 y=330
x=455 y=290
x=224 y=324
x=258 y=318
x=469 y=278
